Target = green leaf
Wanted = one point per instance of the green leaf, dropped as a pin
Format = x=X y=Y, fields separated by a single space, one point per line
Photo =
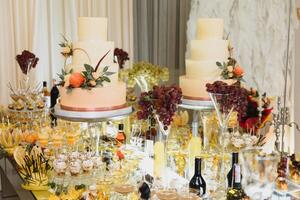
x=221 y=67
x=105 y=69
x=88 y=68
x=71 y=71
x=85 y=74
x=99 y=82
x=219 y=64
x=109 y=73
x=105 y=78
x=224 y=64
x=61 y=76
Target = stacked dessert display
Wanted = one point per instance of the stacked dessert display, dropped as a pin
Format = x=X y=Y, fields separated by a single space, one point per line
x=91 y=80
x=207 y=49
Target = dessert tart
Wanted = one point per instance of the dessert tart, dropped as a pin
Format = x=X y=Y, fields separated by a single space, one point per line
x=87 y=165
x=75 y=167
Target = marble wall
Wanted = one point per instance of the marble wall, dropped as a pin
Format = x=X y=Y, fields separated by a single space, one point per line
x=258 y=31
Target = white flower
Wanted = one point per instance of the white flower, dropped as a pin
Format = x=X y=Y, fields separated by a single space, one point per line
x=230 y=75
x=66 y=50
x=66 y=80
x=237 y=142
x=230 y=68
x=236 y=134
x=96 y=75
x=254 y=139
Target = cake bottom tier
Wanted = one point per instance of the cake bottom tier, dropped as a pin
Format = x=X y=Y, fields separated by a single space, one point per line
x=109 y=97
x=194 y=89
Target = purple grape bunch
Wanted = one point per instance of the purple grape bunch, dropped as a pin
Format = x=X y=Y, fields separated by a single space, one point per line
x=163 y=101
x=230 y=96
x=27 y=61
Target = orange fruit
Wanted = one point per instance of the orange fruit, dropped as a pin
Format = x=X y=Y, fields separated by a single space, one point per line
x=238 y=71
x=76 y=80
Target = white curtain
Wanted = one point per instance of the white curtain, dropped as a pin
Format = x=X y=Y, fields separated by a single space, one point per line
x=37 y=25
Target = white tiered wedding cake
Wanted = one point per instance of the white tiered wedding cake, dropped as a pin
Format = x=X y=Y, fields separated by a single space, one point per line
x=206 y=50
x=91 y=46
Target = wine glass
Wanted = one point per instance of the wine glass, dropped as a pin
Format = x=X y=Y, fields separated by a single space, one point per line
x=260 y=172
x=224 y=109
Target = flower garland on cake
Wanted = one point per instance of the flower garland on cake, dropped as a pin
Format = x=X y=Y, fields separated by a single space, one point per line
x=89 y=78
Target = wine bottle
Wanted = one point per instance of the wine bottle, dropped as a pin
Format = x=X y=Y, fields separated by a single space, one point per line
x=46 y=95
x=194 y=147
x=235 y=160
x=54 y=93
x=197 y=183
x=121 y=137
x=236 y=192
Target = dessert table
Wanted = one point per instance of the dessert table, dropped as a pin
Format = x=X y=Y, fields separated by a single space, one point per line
x=11 y=185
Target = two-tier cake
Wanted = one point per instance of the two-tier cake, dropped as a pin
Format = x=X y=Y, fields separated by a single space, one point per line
x=208 y=48
x=92 y=45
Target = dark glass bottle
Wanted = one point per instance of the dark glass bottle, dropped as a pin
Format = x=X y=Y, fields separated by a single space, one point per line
x=197 y=184
x=235 y=160
x=236 y=192
x=54 y=94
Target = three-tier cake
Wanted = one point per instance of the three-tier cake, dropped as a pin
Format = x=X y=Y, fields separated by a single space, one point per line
x=208 y=48
x=91 y=46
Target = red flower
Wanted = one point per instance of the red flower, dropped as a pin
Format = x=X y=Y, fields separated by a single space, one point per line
x=120 y=155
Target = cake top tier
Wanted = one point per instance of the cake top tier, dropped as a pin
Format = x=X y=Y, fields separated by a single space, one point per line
x=210 y=28
x=92 y=28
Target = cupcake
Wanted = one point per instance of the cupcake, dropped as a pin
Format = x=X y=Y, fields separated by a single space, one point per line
x=87 y=165
x=75 y=168
x=59 y=167
x=62 y=157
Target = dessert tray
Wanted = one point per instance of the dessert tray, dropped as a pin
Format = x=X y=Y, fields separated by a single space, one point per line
x=97 y=116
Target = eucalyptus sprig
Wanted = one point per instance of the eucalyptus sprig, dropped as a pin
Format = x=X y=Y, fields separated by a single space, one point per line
x=93 y=78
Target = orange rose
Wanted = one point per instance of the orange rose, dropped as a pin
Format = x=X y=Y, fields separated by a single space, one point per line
x=76 y=80
x=238 y=71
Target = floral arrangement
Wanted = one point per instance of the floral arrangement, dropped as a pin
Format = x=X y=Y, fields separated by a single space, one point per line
x=257 y=104
x=231 y=69
x=160 y=104
x=67 y=47
x=27 y=61
x=253 y=109
x=145 y=74
x=122 y=57
x=87 y=79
